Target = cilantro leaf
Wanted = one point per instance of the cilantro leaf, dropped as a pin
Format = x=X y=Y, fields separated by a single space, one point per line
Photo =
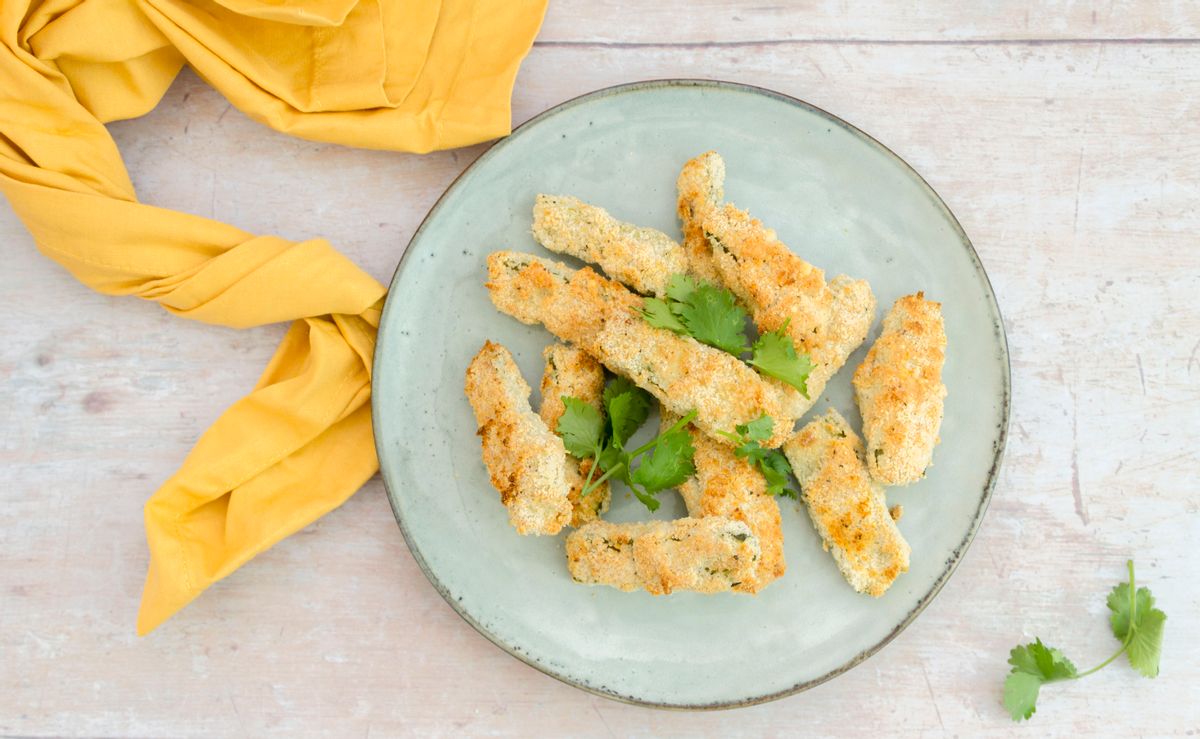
x=1146 y=622
x=1146 y=644
x=669 y=464
x=659 y=315
x=776 y=469
x=628 y=408
x=1021 y=694
x=771 y=463
x=775 y=355
x=713 y=317
x=680 y=288
x=610 y=457
x=618 y=385
x=1134 y=620
x=1032 y=666
x=1051 y=663
x=580 y=427
x=587 y=436
x=760 y=429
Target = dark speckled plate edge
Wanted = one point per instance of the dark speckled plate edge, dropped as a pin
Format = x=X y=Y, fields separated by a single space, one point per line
x=998 y=447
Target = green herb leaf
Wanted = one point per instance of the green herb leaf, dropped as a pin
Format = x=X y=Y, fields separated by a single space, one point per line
x=668 y=464
x=760 y=429
x=618 y=385
x=713 y=317
x=1135 y=621
x=1146 y=644
x=659 y=315
x=1032 y=665
x=610 y=457
x=775 y=355
x=707 y=313
x=771 y=463
x=1021 y=694
x=1050 y=662
x=580 y=427
x=1138 y=614
x=680 y=288
x=628 y=408
x=777 y=471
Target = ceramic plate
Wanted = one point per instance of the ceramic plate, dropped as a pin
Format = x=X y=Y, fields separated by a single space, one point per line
x=833 y=194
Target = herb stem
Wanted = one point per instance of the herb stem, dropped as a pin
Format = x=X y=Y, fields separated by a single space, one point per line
x=1105 y=663
x=674 y=427
x=591 y=473
x=1132 y=625
x=605 y=476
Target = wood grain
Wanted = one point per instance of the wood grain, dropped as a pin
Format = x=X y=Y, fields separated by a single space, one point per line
x=1073 y=164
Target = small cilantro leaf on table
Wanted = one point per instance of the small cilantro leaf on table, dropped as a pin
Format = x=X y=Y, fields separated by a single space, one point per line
x=1134 y=620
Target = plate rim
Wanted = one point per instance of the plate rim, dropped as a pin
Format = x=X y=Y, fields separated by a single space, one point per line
x=999 y=446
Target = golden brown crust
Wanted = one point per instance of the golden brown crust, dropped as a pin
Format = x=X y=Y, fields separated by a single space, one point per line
x=642 y=258
x=526 y=461
x=847 y=509
x=827 y=321
x=701 y=187
x=900 y=392
x=706 y=555
x=729 y=487
x=601 y=317
x=573 y=373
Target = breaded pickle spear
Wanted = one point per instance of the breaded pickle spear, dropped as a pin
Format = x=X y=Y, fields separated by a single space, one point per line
x=707 y=555
x=847 y=508
x=826 y=321
x=701 y=188
x=642 y=258
x=900 y=392
x=571 y=372
x=729 y=487
x=526 y=461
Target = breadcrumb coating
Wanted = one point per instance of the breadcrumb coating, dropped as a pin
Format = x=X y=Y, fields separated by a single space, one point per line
x=727 y=486
x=706 y=555
x=526 y=461
x=846 y=507
x=701 y=187
x=642 y=258
x=570 y=371
x=827 y=321
x=900 y=392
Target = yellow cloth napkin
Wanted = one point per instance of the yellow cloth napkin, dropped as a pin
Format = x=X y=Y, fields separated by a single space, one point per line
x=387 y=74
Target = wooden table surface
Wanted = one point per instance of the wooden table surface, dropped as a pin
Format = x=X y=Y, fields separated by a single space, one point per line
x=1066 y=138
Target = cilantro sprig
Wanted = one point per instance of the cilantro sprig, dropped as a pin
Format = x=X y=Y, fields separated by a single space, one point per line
x=770 y=462
x=663 y=462
x=1134 y=620
x=711 y=315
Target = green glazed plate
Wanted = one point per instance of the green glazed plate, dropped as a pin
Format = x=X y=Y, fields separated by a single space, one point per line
x=838 y=198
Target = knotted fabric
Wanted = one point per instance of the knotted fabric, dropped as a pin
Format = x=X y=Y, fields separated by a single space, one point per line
x=386 y=74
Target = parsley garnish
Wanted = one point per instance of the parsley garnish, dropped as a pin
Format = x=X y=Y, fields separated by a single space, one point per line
x=770 y=462
x=1135 y=621
x=664 y=462
x=711 y=315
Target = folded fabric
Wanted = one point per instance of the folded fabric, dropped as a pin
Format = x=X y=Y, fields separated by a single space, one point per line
x=386 y=74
